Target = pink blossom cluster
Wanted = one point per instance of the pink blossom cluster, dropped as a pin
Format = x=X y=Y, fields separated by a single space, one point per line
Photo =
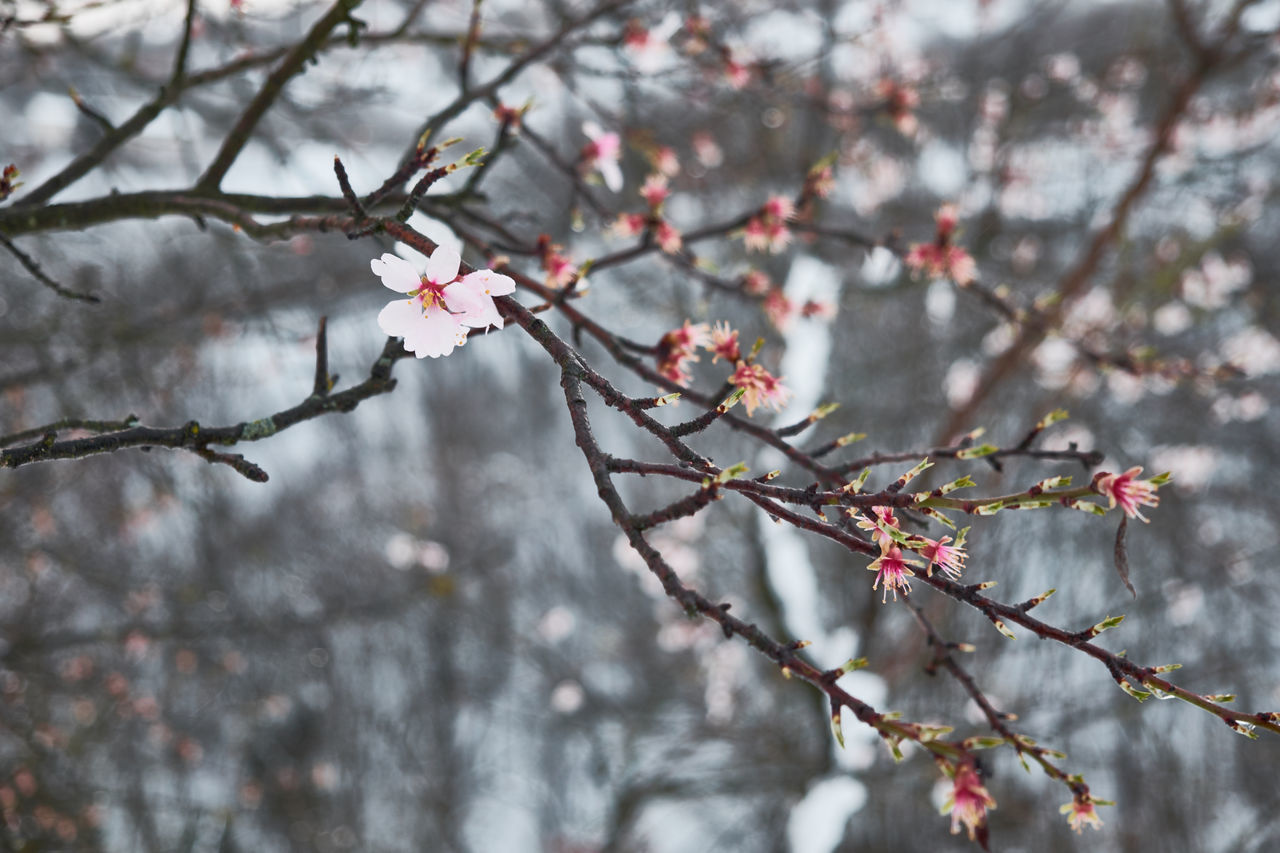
x=820 y=181
x=442 y=305
x=724 y=344
x=667 y=236
x=941 y=258
x=678 y=348
x=762 y=388
x=899 y=102
x=893 y=568
x=559 y=269
x=768 y=231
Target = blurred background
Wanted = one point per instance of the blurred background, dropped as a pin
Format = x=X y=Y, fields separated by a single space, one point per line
x=424 y=633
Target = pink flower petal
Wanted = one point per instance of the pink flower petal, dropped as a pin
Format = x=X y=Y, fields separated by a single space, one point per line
x=495 y=284
x=397 y=319
x=472 y=306
x=396 y=273
x=435 y=335
x=611 y=172
x=442 y=268
x=464 y=300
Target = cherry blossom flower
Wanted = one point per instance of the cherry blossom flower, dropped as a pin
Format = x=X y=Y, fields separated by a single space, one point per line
x=892 y=570
x=668 y=237
x=949 y=558
x=755 y=236
x=664 y=159
x=899 y=102
x=648 y=49
x=818 y=310
x=724 y=344
x=707 y=150
x=762 y=388
x=736 y=74
x=941 y=259
x=820 y=181
x=677 y=348
x=779 y=207
x=629 y=225
x=937 y=261
x=779 y=237
x=885 y=515
x=756 y=283
x=947 y=219
x=559 y=269
x=779 y=309
x=968 y=801
x=655 y=191
x=1081 y=811
x=441 y=306
x=763 y=234
x=1127 y=491
x=602 y=154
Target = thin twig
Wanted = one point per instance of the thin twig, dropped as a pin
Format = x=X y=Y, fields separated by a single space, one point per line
x=34 y=268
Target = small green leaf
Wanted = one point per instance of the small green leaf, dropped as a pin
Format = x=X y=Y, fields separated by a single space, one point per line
x=855 y=486
x=915 y=472
x=965 y=482
x=928 y=733
x=732 y=400
x=1040 y=599
x=1004 y=629
x=853 y=665
x=937 y=516
x=1140 y=695
x=733 y=472
x=1086 y=506
x=1106 y=625
x=1052 y=418
x=1053 y=483
x=1246 y=729
x=977 y=452
x=850 y=438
